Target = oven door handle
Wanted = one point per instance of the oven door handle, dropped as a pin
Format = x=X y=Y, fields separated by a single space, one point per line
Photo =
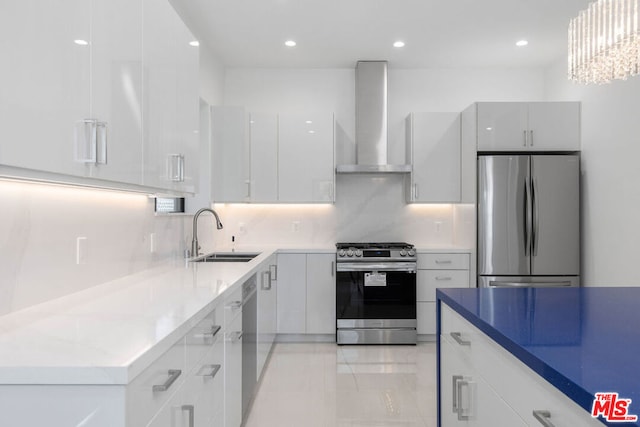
x=409 y=267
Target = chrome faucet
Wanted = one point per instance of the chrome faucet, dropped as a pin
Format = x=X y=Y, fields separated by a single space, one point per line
x=195 y=247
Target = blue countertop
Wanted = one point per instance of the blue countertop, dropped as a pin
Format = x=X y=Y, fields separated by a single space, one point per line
x=581 y=340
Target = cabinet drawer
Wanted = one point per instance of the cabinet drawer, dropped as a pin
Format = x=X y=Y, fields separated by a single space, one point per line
x=168 y=372
x=202 y=337
x=429 y=280
x=443 y=261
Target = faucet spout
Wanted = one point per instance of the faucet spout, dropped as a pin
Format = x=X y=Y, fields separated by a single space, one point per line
x=195 y=247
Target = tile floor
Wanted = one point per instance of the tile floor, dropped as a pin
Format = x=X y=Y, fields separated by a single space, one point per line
x=325 y=385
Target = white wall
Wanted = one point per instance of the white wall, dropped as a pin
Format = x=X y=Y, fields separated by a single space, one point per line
x=367 y=207
x=610 y=193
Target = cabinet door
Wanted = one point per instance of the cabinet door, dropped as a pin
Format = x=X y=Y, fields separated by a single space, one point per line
x=436 y=160
x=230 y=154
x=305 y=158
x=292 y=293
x=321 y=294
x=116 y=87
x=554 y=126
x=46 y=82
x=502 y=126
x=171 y=100
x=233 y=373
x=465 y=397
x=264 y=157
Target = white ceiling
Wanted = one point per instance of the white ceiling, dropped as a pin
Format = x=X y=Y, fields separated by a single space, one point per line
x=337 y=33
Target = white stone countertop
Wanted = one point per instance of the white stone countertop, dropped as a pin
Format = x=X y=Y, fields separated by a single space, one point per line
x=110 y=333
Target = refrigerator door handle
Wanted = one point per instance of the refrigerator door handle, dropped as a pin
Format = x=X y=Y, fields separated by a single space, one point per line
x=527 y=218
x=510 y=284
x=536 y=217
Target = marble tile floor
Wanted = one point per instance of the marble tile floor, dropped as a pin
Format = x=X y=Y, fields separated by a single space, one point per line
x=326 y=385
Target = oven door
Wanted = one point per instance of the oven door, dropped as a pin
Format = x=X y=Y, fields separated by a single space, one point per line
x=366 y=293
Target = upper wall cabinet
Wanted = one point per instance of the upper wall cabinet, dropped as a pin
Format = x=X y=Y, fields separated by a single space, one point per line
x=270 y=158
x=306 y=157
x=171 y=100
x=71 y=101
x=528 y=126
x=78 y=90
x=434 y=150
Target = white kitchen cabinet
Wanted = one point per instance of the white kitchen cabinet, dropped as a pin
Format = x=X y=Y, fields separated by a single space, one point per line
x=528 y=126
x=263 y=181
x=321 y=294
x=292 y=293
x=437 y=270
x=471 y=353
x=171 y=100
x=306 y=168
x=72 y=62
x=434 y=150
x=466 y=399
x=267 y=311
x=230 y=153
x=306 y=294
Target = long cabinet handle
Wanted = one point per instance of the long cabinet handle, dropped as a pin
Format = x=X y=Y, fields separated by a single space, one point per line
x=524 y=143
x=273 y=270
x=543 y=417
x=173 y=376
x=443 y=278
x=91 y=142
x=191 y=410
x=457 y=336
x=443 y=261
x=462 y=416
x=531 y=137
x=333 y=268
x=454 y=387
x=234 y=305
x=175 y=167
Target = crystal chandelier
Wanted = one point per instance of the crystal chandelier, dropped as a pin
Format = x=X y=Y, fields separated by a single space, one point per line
x=604 y=42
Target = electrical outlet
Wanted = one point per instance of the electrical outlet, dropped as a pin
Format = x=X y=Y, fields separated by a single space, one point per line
x=242 y=228
x=81 y=250
x=438 y=226
x=152 y=243
x=295 y=226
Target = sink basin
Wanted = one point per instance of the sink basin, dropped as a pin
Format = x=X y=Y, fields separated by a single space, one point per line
x=227 y=257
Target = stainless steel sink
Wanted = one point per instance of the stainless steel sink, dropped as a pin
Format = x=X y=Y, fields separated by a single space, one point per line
x=227 y=257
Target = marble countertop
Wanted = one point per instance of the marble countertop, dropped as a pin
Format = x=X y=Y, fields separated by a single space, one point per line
x=581 y=340
x=110 y=333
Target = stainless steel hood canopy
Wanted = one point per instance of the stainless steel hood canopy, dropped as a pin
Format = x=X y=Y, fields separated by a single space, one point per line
x=371 y=121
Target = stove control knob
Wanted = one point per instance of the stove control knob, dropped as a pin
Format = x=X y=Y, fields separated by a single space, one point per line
x=403 y=253
x=341 y=252
x=412 y=252
x=349 y=252
x=358 y=252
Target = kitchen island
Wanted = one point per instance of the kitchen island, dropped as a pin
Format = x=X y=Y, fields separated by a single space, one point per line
x=538 y=356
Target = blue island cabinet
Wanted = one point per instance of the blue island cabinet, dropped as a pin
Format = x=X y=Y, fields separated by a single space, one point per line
x=532 y=357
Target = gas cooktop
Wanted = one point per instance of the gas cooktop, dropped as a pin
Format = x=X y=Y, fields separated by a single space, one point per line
x=375 y=245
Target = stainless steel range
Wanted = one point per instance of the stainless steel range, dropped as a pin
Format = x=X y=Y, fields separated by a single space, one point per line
x=376 y=293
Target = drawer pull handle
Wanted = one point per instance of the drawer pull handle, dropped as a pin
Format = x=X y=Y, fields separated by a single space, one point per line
x=214 y=331
x=443 y=261
x=443 y=278
x=213 y=371
x=464 y=415
x=543 y=417
x=234 y=336
x=457 y=336
x=234 y=305
x=173 y=376
x=191 y=409
x=454 y=386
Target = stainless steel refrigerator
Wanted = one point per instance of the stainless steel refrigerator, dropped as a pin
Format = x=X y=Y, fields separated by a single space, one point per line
x=528 y=220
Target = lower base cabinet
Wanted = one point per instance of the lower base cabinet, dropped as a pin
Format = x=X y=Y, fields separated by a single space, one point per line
x=482 y=384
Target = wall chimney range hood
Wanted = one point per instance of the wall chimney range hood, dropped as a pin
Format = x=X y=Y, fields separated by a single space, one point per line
x=371 y=121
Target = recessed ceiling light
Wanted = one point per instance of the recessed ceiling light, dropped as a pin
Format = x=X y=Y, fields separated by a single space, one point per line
x=399 y=43
x=521 y=43
x=308 y=121
x=81 y=42
x=312 y=131
x=194 y=43
x=290 y=43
